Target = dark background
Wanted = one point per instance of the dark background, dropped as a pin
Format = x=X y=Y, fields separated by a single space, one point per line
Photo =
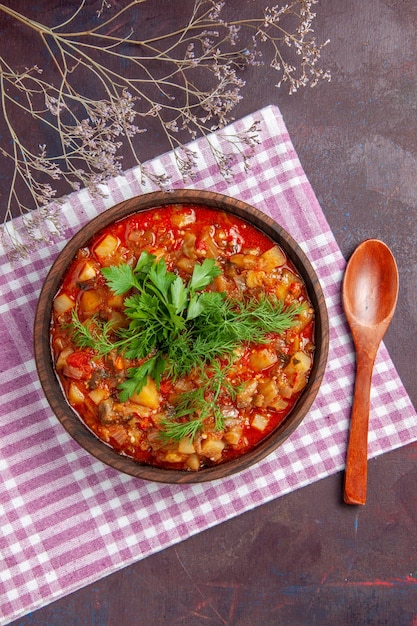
x=305 y=558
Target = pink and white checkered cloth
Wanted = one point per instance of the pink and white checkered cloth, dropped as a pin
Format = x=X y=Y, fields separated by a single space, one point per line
x=67 y=519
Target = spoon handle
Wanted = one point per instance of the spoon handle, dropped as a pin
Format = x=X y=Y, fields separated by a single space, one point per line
x=356 y=470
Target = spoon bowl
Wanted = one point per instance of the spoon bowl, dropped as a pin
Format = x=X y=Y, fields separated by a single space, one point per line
x=369 y=295
x=371 y=284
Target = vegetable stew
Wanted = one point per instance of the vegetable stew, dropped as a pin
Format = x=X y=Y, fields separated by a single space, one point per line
x=182 y=336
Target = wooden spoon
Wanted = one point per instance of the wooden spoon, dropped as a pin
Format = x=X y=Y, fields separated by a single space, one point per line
x=369 y=294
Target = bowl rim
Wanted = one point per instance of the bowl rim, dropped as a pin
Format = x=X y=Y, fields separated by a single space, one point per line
x=43 y=355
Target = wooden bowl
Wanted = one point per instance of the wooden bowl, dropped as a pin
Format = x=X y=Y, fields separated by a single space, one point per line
x=70 y=420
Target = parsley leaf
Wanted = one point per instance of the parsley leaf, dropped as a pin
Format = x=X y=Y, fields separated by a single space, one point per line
x=203 y=274
x=195 y=307
x=145 y=262
x=179 y=294
x=161 y=279
x=119 y=278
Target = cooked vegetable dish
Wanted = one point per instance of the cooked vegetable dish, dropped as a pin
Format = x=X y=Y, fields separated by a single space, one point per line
x=182 y=336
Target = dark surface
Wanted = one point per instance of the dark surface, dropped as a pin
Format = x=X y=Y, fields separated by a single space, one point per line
x=307 y=558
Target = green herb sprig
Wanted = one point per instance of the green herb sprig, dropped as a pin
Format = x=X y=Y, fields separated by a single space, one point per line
x=176 y=327
x=194 y=407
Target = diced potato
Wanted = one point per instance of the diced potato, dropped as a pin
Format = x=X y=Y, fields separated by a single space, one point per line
x=255 y=278
x=289 y=277
x=75 y=395
x=186 y=446
x=174 y=457
x=88 y=272
x=262 y=359
x=233 y=436
x=186 y=264
x=295 y=290
x=98 y=395
x=260 y=422
x=90 y=301
x=193 y=462
x=272 y=258
x=297 y=383
x=63 y=303
x=184 y=217
x=116 y=302
x=244 y=261
x=148 y=395
x=300 y=363
x=106 y=247
x=287 y=282
x=295 y=342
x=281 y=291
x=188 y=246
x=304 y=317
x=258 y=401
x=300 y=382
x=62 y=358
x=286 y=390
x=279 y=404
x=159 y=253
x=207 y=247
x=269 y=390
x=220 y=284
x=244 y=397
x=135 y=435
x=212 y=448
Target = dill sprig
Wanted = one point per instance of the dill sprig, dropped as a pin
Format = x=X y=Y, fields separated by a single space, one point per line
x=200 y=404
x=225 y=324
x=93 y=333
x=138 y=78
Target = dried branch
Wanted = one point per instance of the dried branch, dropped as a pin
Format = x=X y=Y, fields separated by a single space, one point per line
x=186 y=80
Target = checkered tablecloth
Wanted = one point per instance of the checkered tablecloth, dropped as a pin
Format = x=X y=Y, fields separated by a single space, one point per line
x=67 y=519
